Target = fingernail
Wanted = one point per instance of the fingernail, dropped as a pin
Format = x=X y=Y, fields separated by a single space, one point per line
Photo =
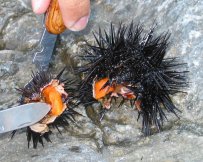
x=36 y=6
x=80 y=24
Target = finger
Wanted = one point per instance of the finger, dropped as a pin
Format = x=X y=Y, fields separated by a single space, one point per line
x=75 y=13
x=40 y=6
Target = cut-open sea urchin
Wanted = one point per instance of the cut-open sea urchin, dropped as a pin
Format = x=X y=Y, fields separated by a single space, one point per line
x=56 y=92
x=127 y=63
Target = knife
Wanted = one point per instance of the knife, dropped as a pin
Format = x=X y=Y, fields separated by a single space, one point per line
x=29 y=114
x=42 y=58
x=22 y=116
x=53 y=26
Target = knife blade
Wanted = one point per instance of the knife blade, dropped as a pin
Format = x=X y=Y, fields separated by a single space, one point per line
x=42 y=58
x=22 y=116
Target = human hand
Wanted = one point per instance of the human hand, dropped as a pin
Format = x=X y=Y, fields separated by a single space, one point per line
x=75 y=13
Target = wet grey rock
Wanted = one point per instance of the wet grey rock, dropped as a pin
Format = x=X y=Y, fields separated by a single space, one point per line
x=166 y=146
x=8 y=68
x=29 y=35
x=9 y=11
x=19 y=27
x=65 y=148
x=118 y=137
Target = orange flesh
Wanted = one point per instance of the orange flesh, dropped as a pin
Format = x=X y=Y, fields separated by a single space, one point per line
x=130 y=96
x=138 y=105
x=98 y=91
x=53 y=97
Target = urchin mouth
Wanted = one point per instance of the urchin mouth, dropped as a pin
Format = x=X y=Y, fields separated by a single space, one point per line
x=118 y=90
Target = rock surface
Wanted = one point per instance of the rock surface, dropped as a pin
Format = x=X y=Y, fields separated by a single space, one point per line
x=118 y=136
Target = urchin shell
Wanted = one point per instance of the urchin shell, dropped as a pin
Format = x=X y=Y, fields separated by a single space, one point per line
x=127 y=55
x=31 y=92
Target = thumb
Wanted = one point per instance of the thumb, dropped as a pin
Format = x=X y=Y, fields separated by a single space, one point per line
x=75 y=13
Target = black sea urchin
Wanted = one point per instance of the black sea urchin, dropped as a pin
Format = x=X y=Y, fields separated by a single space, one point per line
x=38 y=90
x=132 y=65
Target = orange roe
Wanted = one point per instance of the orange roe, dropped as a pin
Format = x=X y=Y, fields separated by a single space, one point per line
x=54 y=98
x=99 y=91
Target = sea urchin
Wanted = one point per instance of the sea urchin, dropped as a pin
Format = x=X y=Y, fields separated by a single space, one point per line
x=132 y=65
x=57 y=93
